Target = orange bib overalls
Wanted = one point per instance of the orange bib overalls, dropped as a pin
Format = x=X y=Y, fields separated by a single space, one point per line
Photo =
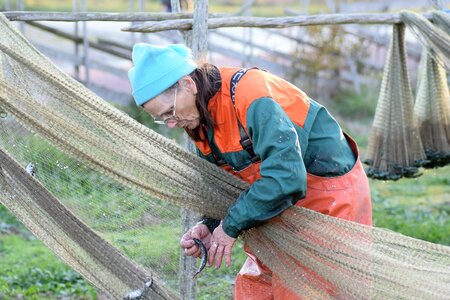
x=346 y=197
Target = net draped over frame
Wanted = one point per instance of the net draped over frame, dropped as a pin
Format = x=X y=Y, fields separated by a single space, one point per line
x=104 y=184
x=404 y=135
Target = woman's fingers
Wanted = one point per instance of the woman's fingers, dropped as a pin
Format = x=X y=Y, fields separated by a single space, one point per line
x=212 y=253
x=227 y=254
x=219 y=255
x=191 y=251
x=186 y=242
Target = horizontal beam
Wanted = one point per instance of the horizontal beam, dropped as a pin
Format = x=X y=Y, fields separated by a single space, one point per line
x=278 y=22
x=100 y=16
x=95 y=44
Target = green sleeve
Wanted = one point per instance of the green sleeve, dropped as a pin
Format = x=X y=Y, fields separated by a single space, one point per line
x=283 y=173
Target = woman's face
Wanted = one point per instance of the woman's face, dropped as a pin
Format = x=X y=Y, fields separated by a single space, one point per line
x=176 y=107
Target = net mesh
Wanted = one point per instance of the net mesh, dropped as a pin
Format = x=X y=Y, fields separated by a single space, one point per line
x=107 y=201
x=434 y=36
x=395 y=148
x=432 y=109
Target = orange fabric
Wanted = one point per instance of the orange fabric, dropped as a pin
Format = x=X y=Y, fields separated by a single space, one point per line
x=249 y=174
x=255 y=84
x=346 y=197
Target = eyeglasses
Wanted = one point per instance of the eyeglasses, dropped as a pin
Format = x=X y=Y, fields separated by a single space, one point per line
x=169 y=116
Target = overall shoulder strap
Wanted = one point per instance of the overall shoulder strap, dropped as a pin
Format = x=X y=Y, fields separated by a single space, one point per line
x=245 y=141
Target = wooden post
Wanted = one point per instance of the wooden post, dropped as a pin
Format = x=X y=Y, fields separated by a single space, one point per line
x=199 y=45
x=200 y=30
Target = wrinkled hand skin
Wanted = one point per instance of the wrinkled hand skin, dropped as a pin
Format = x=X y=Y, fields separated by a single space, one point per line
x=221 y=245
x=187 y=242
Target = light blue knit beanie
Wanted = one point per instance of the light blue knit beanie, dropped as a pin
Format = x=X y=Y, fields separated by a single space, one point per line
x=156 y=68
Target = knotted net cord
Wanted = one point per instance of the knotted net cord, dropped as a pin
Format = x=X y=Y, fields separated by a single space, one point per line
x=395 y=148
x=432 y=106
x=432 y=109
x=434 y=36
x=319 y=257
x=72 y=240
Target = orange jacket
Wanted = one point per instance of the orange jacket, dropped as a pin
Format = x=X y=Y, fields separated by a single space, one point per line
x=292 y=135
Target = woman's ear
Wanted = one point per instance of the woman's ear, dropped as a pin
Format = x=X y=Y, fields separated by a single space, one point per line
x=189 y=84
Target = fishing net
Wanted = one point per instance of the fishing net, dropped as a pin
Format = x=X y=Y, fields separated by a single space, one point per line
x=395 y=148
x=434 y=36
x=432 y=109
x=107 y=194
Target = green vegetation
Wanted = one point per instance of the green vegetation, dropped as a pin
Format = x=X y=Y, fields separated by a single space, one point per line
x=418 y=207
x=355 y=106
x=29 y=270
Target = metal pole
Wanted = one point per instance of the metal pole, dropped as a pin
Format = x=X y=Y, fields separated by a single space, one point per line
x=85 y=46
x=437 y=4
x=131 y=9
x=76 y=52
x=142 y=9
x=248 y=47
x=331 y=6
x=20 y=6
x=304 y=7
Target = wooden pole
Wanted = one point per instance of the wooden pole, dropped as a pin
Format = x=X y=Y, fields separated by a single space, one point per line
x=200 y=30
x=92 y=16
x=216 y=19
x=199 y=45
x=100 y=44
x=279 y=22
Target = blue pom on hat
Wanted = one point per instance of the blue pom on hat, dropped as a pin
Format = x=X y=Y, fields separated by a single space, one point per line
x=156 y=68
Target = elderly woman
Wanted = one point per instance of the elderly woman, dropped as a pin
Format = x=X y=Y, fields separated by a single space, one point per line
x=262 y=129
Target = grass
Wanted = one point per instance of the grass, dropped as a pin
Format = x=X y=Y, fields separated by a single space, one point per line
x=418 y=207
x=28 y=270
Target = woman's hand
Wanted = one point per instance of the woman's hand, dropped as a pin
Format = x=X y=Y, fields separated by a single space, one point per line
x=221 y=244
x=199 y=231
